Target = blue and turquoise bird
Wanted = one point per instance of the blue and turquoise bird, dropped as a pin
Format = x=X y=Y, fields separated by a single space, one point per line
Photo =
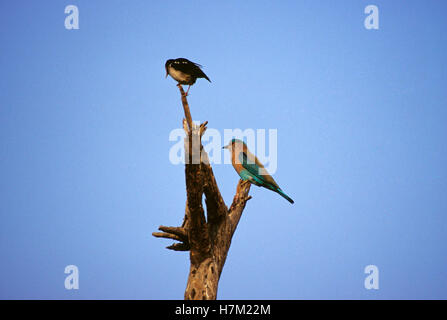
x=251 y=169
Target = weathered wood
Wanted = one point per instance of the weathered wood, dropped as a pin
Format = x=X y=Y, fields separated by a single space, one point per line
x=207 y=239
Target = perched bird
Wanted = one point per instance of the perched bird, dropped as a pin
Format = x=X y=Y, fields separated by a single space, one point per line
x=184 y=71
x=251 y=169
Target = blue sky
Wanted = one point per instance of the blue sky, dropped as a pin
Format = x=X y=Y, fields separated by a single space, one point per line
x=85 y=118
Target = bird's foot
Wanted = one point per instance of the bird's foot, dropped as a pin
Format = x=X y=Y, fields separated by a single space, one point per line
x=185 y=94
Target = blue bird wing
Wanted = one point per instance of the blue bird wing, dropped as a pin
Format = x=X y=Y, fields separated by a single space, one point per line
x=253 y=170
x=246 y=175
x=252 y=173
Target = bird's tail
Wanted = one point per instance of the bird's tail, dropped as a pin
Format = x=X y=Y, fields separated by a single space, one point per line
x=285 y=196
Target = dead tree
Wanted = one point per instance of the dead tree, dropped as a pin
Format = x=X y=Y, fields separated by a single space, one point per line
x=207 y=239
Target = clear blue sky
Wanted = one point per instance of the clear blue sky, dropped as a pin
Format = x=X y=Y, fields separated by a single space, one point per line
x=85 y=117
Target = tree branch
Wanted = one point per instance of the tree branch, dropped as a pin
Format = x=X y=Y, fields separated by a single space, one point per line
x=239 y=201
x=179 y=247
x=166 y=235
x=185 y=106
x=208 y=240
x=178 y=231
x=216 y=208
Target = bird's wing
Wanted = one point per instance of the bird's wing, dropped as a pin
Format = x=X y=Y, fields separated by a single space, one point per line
x=253 y=166
x=189 y=67
x=183 y=65
x=186 y=61
x=201 y=74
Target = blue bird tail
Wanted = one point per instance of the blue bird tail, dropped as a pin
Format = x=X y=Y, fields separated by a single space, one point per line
x=285 y=196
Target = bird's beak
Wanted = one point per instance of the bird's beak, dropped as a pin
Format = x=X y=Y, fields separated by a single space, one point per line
x=225 y=147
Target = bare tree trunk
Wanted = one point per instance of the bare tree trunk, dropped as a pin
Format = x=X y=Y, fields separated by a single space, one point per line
x=207 y=240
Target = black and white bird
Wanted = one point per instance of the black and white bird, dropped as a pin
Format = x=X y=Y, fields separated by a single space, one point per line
x=184 y=71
